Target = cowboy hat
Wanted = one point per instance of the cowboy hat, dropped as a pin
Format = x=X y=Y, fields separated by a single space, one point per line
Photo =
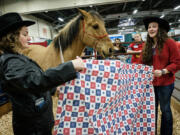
x=162 y=23
x=12 y=21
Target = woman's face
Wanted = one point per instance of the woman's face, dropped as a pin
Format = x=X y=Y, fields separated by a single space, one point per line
x=153 y=29
x=24 y=37
x=117 y=43
x=137 y=37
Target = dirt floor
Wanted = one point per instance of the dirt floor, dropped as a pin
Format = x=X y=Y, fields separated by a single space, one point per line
x=6 y=120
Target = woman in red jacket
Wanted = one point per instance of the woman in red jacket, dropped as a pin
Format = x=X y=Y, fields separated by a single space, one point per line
x=178 y=45
x=161 y=52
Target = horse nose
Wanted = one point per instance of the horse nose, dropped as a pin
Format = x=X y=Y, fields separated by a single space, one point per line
x=110 y=50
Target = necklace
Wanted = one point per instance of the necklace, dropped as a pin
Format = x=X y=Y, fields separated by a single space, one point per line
x=154 y=46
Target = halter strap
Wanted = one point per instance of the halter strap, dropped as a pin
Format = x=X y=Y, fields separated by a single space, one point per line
x=60 y=50
x=94 y=36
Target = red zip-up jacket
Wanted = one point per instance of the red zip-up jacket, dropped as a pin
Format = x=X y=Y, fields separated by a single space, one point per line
x=135 y=47
x=169 y=58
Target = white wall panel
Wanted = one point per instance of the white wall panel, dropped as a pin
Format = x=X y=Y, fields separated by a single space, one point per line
x=33 y=29
x=40 y=29
x=177 y=31
x=44 y=31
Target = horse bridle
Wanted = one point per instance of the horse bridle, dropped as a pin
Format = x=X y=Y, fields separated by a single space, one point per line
x=94 y=36
x=90 y=35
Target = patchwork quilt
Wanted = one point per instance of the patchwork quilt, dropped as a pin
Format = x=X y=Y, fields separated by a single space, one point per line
x=108 y=97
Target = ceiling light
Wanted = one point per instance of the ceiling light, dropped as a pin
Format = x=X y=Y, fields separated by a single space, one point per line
x=177 y=7
x=135 y=11
x=60 y=19
x=162 y=16
x=140 y=29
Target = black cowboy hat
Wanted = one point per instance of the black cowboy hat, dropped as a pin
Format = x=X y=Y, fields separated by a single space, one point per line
x=12 y=21
x=162 y=23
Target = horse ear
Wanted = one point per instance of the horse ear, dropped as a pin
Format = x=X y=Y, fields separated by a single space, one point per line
x=84 y=13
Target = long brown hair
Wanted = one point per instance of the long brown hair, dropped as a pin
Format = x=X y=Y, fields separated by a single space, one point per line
x=147 y=54
x=10 y=42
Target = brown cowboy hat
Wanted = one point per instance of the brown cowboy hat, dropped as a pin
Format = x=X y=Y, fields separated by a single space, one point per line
x=12 y=21
x=162 y=23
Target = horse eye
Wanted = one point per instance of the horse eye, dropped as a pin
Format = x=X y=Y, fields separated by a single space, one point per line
x=95 y=26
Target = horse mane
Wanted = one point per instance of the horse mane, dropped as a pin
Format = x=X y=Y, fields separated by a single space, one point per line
x=70 y=31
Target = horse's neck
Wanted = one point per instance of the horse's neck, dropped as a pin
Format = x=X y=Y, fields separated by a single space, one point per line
x=74 y=50
x=48 y=57
x=51 y=56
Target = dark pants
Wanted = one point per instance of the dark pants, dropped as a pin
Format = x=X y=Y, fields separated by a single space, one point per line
x=35 y=125
x=28 y=127
x=163 y=95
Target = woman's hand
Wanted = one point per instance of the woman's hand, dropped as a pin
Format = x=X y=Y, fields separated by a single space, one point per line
x=78 y=64
x=157 y=73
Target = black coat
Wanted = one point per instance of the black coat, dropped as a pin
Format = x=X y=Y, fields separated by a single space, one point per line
x=27 y=86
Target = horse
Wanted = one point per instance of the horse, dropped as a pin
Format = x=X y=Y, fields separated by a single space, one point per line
x=86 y=29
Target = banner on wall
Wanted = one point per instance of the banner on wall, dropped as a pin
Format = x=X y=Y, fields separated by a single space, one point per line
x=114 y=36
x=38 y=41
x=44 y=30
x=45 y=43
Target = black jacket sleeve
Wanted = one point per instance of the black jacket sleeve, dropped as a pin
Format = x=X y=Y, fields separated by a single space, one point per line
x=28 y=76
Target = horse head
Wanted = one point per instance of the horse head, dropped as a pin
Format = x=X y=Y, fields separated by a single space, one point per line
x=94 y=33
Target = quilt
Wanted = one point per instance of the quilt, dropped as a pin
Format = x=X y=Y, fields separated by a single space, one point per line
x=108 y=97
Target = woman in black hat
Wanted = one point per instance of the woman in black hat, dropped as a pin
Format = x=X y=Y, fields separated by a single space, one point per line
x=25 y=82
x=162 y=53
